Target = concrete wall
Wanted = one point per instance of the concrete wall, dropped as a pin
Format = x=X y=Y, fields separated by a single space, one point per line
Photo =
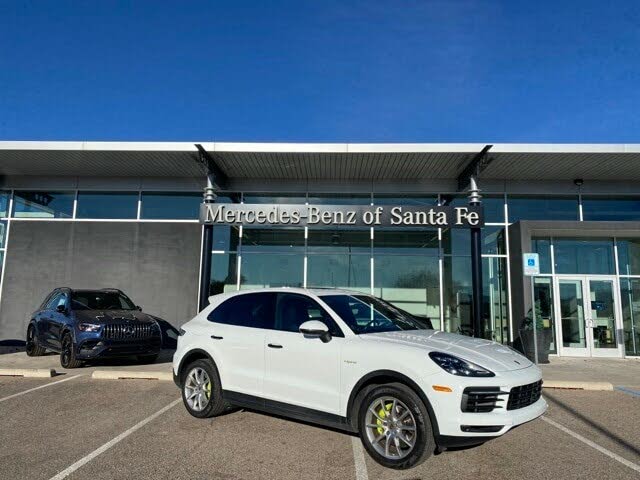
x=156 y=264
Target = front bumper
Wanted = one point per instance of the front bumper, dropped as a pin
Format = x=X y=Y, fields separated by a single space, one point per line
x=101 y=348
x=457 y=428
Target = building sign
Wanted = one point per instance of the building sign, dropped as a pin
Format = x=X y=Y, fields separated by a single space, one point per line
x=531 y=263
x=341 y=215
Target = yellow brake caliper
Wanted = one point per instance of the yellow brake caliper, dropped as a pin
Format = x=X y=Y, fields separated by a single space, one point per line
x=208 y=390
x=382 y=413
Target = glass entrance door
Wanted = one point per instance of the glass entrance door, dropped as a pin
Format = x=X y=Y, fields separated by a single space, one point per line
x=589 y=316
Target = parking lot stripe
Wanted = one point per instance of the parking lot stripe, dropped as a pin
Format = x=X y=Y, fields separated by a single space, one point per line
x=630 y=391
x=84 y=460
x=358 y=458
x=38 y=388
x=609 y=453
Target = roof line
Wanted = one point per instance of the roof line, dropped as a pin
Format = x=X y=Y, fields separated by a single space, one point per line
x=321 y=147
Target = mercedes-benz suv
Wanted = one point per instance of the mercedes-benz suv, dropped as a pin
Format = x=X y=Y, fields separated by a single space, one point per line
x=355 y=362
x=89 y=324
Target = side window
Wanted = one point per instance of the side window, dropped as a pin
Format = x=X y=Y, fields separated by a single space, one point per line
x=248 y=310
x=53 y=301
x=293 y=310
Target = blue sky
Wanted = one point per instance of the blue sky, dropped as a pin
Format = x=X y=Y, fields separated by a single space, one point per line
x=343 y=71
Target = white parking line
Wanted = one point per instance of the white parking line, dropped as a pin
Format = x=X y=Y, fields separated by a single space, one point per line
x=609 y=453
x=84 y=460
x=358 y=458
x=38 y=388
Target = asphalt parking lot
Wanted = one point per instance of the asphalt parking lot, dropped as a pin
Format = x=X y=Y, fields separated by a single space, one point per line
x=75 y=427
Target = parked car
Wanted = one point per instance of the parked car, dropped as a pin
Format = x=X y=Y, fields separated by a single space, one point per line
x=89 y=324
x=354 y=362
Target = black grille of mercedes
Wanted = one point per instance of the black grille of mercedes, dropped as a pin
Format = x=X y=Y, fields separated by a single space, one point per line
x=524 y=395
x=131 y=331
x=481 y=399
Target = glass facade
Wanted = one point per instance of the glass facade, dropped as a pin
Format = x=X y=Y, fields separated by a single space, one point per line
x=426 y=272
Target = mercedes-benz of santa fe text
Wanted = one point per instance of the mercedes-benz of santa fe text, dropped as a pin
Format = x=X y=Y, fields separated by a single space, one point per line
x=85 y=325
x=355 y=362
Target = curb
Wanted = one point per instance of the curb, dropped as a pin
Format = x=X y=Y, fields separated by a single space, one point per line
x=571 y=385
x=27 y=372
x=127 y=375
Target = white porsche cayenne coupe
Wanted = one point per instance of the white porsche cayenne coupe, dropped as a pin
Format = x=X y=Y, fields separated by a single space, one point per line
x=355 y=362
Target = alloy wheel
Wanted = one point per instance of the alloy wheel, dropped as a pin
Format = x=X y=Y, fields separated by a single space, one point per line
x=31 y=344
x=390 y=427
x=197 y=389
x=66 y=351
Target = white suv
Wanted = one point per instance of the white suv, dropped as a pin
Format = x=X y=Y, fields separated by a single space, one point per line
x=352 y=361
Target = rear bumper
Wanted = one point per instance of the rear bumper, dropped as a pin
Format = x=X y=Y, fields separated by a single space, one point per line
x=99 y=348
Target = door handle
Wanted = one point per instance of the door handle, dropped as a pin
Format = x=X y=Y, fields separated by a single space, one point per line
x=273 y=345
x=216 y=337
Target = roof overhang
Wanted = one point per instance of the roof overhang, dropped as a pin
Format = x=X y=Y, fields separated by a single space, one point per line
x=329 y=161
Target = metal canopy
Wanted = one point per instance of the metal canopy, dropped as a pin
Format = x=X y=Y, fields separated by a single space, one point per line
x=303 y=161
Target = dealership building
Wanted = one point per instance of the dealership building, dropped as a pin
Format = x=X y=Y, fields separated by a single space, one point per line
x=439 y=230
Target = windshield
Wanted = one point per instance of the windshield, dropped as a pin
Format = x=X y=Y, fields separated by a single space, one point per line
x=365 y=314
x=94 y=300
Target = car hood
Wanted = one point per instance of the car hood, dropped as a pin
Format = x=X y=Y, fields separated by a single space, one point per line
x=494 y=356
x=112 y=316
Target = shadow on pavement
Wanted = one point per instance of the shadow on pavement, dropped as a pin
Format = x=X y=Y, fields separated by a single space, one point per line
x=606 y=432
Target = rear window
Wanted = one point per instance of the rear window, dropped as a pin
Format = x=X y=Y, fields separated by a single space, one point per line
x=253 y=310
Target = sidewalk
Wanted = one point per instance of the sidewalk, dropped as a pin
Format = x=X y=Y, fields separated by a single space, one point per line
x=617 y=371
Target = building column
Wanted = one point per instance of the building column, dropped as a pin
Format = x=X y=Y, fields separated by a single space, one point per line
x=476 y=264
x=207 y=246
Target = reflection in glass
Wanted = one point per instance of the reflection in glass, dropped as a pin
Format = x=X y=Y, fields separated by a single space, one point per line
x=3 y=233
x=424 y=242
x=543 y=291
x=336 y=240
x=457 y=295
x=122 y=205
x=410 y=282
x=223 y=273
x=351 y=272
x=586 y=256
x=493 y=240
x=43 y=204
x=495 y=303
x=602 y=313
x=338 y=199
x=266 y=198
x=272 y=240
x=572 y=314
x=542 y=208
x=630 y=294
x=608 y=208
x=408 y=200
x=542 y=246
x=456 y=241
x=171 y=205
x=629 y=256
x=259 y=270
x=4 y=203
x=226 y=238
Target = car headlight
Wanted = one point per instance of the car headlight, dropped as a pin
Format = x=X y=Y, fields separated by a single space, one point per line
x=458 y=366
x=89 y=327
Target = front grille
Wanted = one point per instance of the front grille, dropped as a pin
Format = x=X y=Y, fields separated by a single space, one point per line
x=128 y=331
x=481 y=399
x=524 y=395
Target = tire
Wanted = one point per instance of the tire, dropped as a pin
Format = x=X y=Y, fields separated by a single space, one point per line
x=68 y=353
x=208 y=401
x=32 y=347
x=147 y=358
x=401 y=440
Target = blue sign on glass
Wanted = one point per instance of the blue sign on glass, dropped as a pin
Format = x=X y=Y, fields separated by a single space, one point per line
x=531 y=263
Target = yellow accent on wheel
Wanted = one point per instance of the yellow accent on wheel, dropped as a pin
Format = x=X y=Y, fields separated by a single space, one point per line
x=382 y=413
x=208 y=390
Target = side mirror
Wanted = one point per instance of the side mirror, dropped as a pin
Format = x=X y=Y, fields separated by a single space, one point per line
x=139 y=307
x=61 y=309
x=315 y=329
